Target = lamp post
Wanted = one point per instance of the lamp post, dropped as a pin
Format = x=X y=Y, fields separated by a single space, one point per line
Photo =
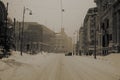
x=95 y=40
x=62 y=10
x=14 y=34
x=24 y=10
x=95 y=44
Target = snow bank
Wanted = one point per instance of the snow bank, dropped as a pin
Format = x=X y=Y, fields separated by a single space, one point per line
x=3 y=66
x=114 y=59
x=29 y=59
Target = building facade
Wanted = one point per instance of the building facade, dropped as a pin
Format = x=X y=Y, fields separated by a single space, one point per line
x=108 y=22
x=36 y=37
x=116 y=27
x=89 y=31
x=80 y=42
x=63 y=43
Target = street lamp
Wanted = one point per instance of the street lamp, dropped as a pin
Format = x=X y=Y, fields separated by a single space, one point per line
x=24 y=10
x=95 y=40
x=62 y=10
x=95 y=44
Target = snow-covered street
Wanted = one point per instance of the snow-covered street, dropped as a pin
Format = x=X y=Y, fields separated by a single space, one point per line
x=59 y=67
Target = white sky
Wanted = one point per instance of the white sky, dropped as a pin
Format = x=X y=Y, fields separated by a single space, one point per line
x=48 y=12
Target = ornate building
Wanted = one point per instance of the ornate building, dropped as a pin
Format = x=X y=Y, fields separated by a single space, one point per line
x=116 y=26
x=108 y=23
x=89 y=29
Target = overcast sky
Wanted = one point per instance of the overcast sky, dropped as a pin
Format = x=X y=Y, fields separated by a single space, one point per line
x=48 y=12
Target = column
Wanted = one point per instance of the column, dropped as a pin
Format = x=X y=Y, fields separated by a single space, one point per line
x=118 y=31
x=117 y=24
x=114 y=28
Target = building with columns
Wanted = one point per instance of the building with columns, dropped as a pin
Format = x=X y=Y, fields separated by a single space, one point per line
x=89 y=30
x=116 y=26
x=109 y=26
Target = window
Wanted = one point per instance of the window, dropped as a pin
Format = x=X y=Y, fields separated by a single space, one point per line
x=110 y=37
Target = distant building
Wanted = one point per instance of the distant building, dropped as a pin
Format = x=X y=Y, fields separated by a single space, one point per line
x=89 y=31
x=36 y=37
x=80 y=42
x=63 y=43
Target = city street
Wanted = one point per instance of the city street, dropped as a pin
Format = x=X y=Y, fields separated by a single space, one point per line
x=36 y=34
x=58 y=67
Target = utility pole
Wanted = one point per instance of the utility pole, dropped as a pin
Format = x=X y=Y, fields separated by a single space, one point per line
x=95 y=38
x=21 y=46
x=14 y=34
x=95 y=46
x=22 y=32
x=62 y=10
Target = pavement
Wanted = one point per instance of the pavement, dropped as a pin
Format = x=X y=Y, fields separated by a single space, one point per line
x=57 y=67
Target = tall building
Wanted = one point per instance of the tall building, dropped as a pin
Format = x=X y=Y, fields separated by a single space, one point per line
x=89 y=30
x=109 y=22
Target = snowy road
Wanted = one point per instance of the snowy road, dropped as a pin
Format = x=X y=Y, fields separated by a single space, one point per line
x=57 y=67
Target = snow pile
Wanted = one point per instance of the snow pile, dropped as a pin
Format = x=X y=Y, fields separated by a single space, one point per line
x=3 y=66
x=18 y=67
x=114 y=59
x=27 y=58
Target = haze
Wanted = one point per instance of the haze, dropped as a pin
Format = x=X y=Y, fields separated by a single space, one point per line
x=48 y=12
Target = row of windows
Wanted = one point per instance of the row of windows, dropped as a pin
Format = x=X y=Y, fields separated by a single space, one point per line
x=59 y=46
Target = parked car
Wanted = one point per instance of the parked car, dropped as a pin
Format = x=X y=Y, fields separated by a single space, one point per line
x=68 y=54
